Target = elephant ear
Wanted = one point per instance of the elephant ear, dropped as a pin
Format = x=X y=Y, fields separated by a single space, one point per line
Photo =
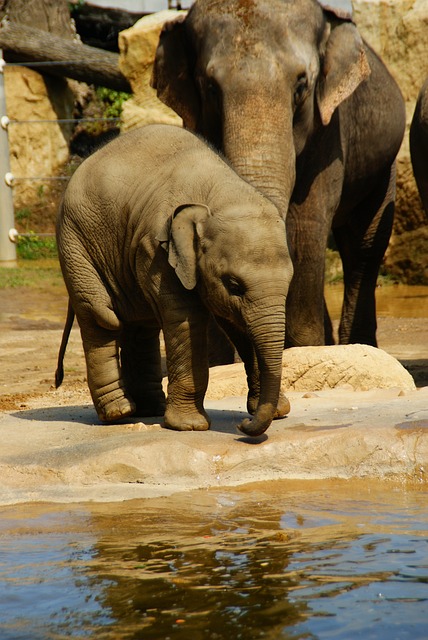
x=341 y=8
x=182 y=247
x=172 y=74
x=344 y=67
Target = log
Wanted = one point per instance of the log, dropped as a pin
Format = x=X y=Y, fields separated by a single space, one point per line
x=71 y=58
x=100 y=26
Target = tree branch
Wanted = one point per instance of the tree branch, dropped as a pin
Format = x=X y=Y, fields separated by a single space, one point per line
x=72 y=59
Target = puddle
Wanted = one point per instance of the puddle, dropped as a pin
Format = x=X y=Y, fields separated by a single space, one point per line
x=417 y=426
x=46 y=308
x=395 y=301
x=28 y=309
x=277 y=560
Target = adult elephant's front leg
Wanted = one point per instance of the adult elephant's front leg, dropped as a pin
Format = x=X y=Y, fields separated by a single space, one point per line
x=110 y=397
x=187 y=363
x=308 y=226
x=362 y=243
x=305 y=307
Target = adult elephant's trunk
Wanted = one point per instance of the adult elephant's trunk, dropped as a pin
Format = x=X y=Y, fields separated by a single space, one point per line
x=268 y=338
x=258 y=142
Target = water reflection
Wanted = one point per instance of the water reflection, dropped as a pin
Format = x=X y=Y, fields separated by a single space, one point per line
x=278 y=561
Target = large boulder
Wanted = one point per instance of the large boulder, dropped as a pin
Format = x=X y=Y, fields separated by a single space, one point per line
x=137 y=47
x=36 y=149
x=354 y=367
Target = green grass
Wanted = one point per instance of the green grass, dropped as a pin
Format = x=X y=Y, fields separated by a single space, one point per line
x=34 y=247
x=34 y=273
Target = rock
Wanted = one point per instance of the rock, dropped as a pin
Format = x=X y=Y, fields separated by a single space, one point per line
x=36 y=149
x=137 y=47
x=54 y=450
x=407 y=258
x=355 y=367
x=398 y=32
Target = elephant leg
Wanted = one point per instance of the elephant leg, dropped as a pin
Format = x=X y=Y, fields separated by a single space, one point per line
x=248 y=356
x=308 y=322
x=142 y=369
x=220 y=349
x=418 y=139
x=187 y=363
x=328 y=327
x=111 y=399
x=362 y=244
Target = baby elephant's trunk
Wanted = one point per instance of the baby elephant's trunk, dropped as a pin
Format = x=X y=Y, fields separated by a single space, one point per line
x=269 y=346
x=256 y=426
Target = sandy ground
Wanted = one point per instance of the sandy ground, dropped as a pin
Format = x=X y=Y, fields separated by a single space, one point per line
x=54 y=449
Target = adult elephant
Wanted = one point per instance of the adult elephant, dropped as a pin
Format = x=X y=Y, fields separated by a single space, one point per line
x=419 y=144
x=307 y=112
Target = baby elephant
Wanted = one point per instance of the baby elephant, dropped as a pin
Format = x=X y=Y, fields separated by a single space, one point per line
x=154 y=232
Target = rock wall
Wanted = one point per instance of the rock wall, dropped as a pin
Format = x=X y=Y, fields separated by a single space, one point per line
x=398 y=31
x=35 y=149
x=137 y=47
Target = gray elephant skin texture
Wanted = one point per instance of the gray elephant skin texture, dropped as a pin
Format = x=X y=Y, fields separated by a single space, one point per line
x=306 y=111
x=156 y=232
x=419 y=144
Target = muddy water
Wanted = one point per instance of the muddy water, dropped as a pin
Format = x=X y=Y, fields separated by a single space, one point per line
x=276 y=561
x=396 y=301
x=279 y=561
x=46 y=308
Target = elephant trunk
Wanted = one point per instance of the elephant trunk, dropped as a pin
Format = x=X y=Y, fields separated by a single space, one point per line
x=260 y=147
x=268 y=340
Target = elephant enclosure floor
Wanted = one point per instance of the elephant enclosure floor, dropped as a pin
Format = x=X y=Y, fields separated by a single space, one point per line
x=53 y=448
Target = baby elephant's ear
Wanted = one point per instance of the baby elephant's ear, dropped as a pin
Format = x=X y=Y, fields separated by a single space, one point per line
x=182 y=246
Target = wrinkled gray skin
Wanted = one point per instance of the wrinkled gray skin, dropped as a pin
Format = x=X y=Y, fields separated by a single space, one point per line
x=306 y=112
x=419 y=144
x=155 y=231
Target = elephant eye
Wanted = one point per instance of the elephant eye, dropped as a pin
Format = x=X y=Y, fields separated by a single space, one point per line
x=233 y=285
x=211 y=88
x=301 y=89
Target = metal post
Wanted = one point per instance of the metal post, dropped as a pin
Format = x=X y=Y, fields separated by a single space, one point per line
x=7 y=248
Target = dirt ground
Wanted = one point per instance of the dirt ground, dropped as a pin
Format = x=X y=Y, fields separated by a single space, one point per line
x=31 y=321
x=54 y=449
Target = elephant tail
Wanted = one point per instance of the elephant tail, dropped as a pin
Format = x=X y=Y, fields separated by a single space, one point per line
x=59 y=373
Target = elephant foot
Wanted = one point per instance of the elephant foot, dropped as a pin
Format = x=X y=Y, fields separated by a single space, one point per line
x=183 y=421
x=116 y=410
x=282 y=409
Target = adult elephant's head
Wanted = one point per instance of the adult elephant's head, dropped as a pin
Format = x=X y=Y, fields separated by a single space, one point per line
x=256 y=77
